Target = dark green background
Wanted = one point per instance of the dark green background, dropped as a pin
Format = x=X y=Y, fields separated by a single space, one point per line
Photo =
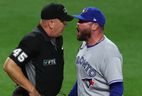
x=123 y=27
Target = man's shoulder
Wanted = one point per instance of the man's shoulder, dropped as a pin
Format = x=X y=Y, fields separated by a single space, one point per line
x=110 y=48
x=109 y=44
x=35 y=35
x=32 y=38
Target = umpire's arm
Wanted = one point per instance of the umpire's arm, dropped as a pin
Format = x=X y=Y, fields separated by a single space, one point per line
x=16 y=74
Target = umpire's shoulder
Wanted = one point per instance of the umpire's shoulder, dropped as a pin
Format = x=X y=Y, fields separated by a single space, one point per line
x=32 y=39
x=35 y=35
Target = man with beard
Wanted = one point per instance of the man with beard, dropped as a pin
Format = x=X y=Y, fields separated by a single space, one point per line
x=99 y=62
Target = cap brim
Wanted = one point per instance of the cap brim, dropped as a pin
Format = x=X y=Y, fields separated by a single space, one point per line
x=67 y=18
x=79 y=17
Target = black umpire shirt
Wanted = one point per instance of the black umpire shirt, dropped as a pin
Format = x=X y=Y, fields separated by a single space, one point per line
x=41 y=59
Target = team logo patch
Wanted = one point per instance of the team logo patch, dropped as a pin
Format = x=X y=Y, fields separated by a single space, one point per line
x=84 y=10
x=65 y=10
x=47 y=62
x=89 y=82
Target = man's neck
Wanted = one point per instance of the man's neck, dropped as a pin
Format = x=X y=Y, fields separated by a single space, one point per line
x=95 y=39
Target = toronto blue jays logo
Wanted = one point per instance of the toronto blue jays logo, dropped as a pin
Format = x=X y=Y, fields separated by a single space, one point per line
x=89 y=82
x=84 y=10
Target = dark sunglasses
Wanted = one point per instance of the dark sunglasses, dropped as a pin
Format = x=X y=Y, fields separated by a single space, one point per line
x=82 y=21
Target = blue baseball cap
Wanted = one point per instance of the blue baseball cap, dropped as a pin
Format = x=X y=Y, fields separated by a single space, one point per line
x=92 y=14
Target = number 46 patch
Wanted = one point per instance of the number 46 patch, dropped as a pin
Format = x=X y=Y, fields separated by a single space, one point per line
x=21 y=56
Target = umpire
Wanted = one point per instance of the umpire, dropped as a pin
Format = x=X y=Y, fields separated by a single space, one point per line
x=37 y=64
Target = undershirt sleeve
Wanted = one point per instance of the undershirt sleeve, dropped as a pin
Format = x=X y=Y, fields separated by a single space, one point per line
x=116 y=89
x=73 y=91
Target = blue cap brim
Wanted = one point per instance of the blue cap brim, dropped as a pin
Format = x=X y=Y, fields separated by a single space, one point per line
x=79 y=17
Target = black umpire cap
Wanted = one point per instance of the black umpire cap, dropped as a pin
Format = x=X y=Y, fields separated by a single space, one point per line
x=55 y=10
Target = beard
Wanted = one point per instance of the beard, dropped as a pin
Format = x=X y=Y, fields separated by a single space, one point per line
x=83 y=35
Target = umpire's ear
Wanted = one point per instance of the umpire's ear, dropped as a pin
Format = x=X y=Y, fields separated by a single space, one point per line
x=95 y=26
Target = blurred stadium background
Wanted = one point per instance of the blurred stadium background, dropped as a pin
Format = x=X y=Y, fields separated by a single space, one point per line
x=123 y=26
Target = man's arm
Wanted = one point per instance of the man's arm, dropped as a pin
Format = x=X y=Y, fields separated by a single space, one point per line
x=73 y=91
x=16 y=74
x=116 y=89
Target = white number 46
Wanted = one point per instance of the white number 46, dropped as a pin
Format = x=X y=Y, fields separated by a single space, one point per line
x=21 y=56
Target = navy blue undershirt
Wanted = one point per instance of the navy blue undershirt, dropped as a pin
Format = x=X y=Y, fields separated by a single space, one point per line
x=116 y=89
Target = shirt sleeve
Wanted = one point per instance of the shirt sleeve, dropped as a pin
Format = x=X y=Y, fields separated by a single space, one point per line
x=112 y=67
x=27 y=49
x=113 y=70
